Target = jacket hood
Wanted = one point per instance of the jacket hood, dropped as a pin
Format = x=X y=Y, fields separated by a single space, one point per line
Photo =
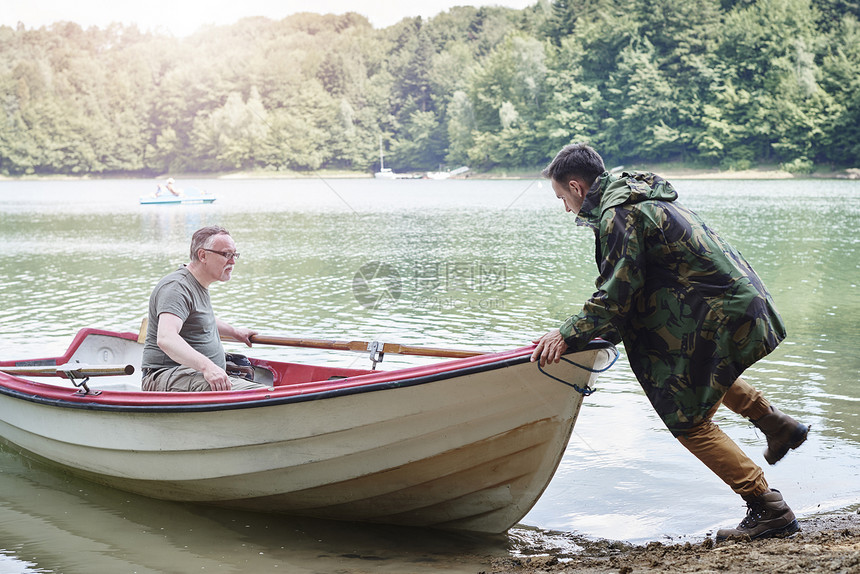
x=612 y=190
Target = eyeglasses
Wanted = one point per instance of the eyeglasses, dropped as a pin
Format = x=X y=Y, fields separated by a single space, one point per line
x=228 y=255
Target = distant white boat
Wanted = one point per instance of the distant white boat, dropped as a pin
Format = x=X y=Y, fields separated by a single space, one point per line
x=384 y=172
x=388 y=174
x=186 y=197
x=446 y=174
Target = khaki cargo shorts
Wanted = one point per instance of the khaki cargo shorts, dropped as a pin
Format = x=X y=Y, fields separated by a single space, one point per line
x=188 y=380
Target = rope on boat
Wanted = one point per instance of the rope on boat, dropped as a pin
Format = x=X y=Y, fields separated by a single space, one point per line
x=587 y=390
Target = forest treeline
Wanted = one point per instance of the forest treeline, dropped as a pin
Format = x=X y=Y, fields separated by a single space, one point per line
x=728 y=83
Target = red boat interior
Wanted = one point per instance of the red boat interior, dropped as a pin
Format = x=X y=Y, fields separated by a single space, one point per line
x=298 y=374
x=282 y=379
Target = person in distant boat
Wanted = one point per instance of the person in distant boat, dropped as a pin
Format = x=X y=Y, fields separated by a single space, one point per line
x=168 y=188
x=183 y=350
x=692 y=315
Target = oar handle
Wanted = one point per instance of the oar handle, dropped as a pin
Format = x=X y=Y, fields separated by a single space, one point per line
x=76 y=370
x=394 y=348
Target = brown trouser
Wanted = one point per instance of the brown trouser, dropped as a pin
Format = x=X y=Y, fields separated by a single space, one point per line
x=185 y=379
x=720 y=453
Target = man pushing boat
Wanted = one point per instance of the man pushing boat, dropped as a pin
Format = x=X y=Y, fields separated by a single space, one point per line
x=183 y=350
x=692 y=314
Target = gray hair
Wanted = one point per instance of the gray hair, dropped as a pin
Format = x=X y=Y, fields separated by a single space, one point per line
x=204 y=237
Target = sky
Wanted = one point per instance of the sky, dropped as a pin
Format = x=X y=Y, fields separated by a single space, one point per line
x=182 y=17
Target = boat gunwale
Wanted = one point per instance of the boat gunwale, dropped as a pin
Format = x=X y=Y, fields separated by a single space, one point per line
x=164 y=402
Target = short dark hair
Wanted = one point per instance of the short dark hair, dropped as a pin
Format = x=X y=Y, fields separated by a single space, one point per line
x=202 y=238
x=576 y=160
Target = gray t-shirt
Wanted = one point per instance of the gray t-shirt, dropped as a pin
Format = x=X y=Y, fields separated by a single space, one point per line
x=180 y=294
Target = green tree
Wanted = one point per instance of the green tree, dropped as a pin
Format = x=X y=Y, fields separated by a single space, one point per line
x=231 y=137
x=722 y=82
x=461 y=128
x=764 y=52
x=300 y=132
x=506 y=100
x=840 y=70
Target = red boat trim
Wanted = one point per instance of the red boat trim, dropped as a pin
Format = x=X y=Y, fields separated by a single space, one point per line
x=140 y=401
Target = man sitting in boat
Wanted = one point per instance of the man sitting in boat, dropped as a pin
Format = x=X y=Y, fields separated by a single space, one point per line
x=183 y=350
x=693 y=316
x=168 y=187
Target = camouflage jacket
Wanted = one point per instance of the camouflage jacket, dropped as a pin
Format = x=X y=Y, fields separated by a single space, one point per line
x=690 y=310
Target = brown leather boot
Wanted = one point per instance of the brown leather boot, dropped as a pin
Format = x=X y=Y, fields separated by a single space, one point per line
x=782 y=432
x=768 y=516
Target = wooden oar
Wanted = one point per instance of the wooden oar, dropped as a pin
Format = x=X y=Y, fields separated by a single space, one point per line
x=365 y=346
x=75 y=370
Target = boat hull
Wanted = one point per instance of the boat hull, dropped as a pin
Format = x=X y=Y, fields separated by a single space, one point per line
x=175 y=200
x=189 y=196
x=468 y=445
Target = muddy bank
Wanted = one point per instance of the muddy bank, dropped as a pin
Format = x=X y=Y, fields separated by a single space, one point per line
x=825 y=544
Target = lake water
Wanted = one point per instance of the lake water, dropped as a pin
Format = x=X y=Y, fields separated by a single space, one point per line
x=476 y=264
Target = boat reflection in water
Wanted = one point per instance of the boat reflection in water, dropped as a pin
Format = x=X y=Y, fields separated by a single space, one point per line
x=53 y=522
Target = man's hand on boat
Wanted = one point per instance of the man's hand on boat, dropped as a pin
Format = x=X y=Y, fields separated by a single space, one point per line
x=549 y=348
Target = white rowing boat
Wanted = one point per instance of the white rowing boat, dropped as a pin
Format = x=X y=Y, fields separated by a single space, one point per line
x=464 y=444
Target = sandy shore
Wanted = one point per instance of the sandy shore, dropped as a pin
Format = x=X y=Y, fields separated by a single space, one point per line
x=825 y=544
